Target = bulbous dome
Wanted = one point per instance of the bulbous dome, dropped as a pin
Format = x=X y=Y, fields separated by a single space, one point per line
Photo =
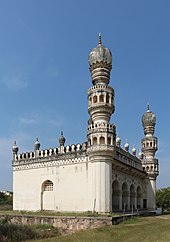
x=100 y=54
x=127 y=146
x=118 y=141
x=134 y=151
x=62 y=139
x=140 y=155
x=148 y=118
x=37 y=144
x=100 y=61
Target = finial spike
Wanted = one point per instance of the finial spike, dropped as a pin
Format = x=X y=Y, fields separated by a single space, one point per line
x=100 y=39
x=148 y=106
x=61 y=132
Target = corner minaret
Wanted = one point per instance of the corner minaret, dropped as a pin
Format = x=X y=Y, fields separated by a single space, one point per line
x=149 y=148
x=101 y=134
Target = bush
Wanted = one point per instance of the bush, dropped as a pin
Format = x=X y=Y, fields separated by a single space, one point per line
x=17 y=233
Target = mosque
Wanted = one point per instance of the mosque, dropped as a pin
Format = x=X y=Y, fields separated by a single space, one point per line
x=98 y=175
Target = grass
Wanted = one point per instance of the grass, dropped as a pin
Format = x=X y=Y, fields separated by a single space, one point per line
x=50 y=213
x=140 y=229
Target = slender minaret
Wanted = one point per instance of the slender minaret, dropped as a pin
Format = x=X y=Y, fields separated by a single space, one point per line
x=149 y=163
x=14 y=150
x=61 y=142
x=101 y=134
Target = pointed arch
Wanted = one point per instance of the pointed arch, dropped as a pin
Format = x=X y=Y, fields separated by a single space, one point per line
x=132 y=196
x=139 y=197
x=115 y=195
x=125 y=195
x=47 y=195
x=102 y=140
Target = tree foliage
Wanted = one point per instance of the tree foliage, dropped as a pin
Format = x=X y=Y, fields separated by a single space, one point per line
x=163 y=198
x=6 y=198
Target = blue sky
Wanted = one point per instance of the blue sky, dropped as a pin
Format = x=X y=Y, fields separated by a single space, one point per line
x=44 y=72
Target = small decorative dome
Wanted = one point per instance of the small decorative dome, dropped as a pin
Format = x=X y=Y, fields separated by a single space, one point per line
x=100 y=54
x=127 y=146
x=140 y=155
x=15 y=148
x=62 y=139
x=134 y=151
x=100 y=61
x=118 y=141
x=37 y=145
x=148 y=118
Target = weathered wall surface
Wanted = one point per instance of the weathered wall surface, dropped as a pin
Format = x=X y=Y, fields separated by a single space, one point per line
x=72 y=187
x=66 y=225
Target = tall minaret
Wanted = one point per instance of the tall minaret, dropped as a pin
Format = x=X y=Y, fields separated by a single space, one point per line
x=101 y=134
x=149 y=148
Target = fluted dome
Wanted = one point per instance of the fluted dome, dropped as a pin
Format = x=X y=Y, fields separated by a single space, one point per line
x=100 y=54
x=148 y=122
x=100 y=61
x=148 y=118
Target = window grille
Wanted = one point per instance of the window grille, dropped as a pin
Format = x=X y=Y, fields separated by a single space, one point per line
x=48 y=185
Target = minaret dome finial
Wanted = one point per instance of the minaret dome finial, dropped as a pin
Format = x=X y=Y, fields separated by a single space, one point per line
x=148 y=106
x=100 y=39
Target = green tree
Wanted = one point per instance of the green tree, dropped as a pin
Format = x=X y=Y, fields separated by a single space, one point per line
x=163 y=198
x=6 y=198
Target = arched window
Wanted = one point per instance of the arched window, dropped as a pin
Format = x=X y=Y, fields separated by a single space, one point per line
x=48 y=186
x=109 y=141
x=107 y=98
x=101 y=98
x=95 y=99
x=89 y=100
x=102 y=140
x=94 y=141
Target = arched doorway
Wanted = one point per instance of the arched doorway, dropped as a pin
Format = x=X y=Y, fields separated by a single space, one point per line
x=132 y=196
x=139 y=197
x=47 y=195
x=144 y=200
x=125 y=195
x=115 y=195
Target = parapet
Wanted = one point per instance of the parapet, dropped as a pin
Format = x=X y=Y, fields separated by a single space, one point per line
x=51 y=153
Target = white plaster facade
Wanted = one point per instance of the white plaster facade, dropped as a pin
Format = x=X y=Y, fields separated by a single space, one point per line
x=97 y=175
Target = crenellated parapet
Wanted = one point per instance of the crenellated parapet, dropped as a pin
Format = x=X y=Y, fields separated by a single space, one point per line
x=54 y=153
x=127 y=158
